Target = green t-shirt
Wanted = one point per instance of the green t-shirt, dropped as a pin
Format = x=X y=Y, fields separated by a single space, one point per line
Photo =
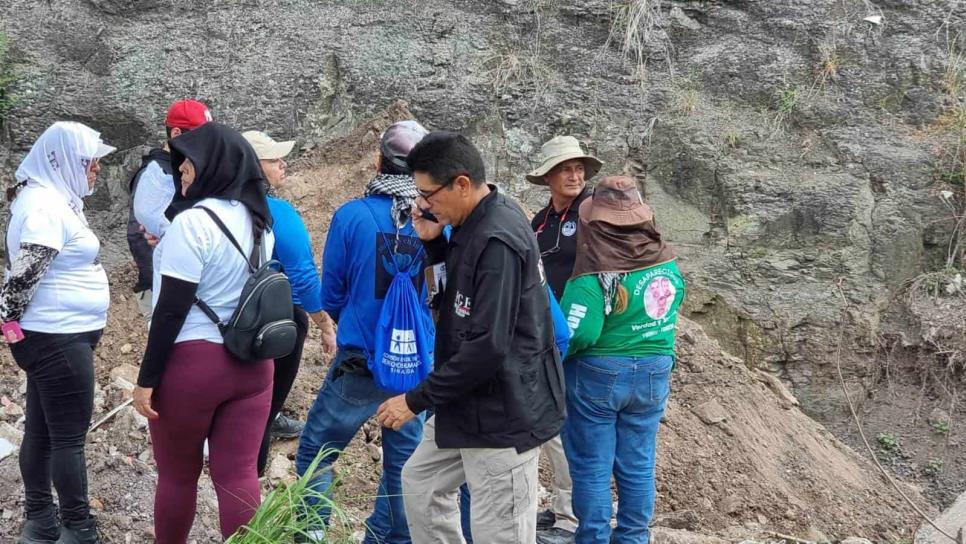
x=646 y=327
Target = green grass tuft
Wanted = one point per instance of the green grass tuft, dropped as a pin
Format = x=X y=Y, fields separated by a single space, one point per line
x=286 y=512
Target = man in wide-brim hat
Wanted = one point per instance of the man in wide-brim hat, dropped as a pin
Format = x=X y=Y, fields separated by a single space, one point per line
x=564 y=168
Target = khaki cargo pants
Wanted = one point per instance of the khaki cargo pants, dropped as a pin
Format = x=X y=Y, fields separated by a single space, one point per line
x=563 y=487
x=502 y=482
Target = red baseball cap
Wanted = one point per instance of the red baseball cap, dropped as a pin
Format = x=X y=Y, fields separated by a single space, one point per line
x=187 y=114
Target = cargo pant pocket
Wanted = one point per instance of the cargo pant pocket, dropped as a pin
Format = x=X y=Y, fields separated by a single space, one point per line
x=510 y=481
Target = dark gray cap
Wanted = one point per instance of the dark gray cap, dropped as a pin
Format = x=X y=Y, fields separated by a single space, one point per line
x=399 y=139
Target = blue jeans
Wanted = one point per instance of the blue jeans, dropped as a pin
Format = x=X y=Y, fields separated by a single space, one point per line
x=614 y=408
x=340 y=409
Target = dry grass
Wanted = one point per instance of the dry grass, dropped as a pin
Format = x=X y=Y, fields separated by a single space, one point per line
x=635 y=29
x=507 y=70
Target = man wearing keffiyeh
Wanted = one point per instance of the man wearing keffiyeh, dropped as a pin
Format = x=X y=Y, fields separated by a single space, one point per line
x=394 y=178
x=366 y=235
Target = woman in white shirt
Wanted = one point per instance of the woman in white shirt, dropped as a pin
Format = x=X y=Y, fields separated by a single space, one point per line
x=56 y=293
x=190 y=387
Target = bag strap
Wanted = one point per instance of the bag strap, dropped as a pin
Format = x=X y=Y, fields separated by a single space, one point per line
x=389 y=244
x=256 y=250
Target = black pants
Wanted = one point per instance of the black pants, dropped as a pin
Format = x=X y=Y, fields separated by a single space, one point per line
x=60 y=402
x=286 y=369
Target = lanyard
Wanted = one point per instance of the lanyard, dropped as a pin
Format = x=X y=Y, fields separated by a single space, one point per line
x=546 y=217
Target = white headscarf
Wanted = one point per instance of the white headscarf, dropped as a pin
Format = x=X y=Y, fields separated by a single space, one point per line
x=59 y=159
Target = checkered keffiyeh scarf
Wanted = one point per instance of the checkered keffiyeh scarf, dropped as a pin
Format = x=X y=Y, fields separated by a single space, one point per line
x=401 y=188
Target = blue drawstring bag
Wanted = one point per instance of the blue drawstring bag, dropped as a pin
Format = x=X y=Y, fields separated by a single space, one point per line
x=403 y=347
x=404 y=342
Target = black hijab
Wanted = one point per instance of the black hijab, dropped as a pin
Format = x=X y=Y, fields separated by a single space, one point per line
x=226 y=167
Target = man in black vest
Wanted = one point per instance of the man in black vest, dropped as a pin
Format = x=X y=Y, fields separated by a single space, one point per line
x=496 y=388
x=564 y=169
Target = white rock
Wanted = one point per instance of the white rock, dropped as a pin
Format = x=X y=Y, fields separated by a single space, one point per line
x=11 y=410
x=874 y=19
x=123 y=384
x=11 y=433
x=281 y=467
x=126 y=371
x=6 y=448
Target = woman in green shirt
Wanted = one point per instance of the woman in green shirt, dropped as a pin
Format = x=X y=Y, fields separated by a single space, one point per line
x=622 y=307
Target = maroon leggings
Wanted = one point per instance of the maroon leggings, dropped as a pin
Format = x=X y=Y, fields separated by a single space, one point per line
x=207 y=393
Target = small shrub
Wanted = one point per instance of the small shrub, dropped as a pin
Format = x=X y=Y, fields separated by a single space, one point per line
x=786 y=103
x=831 y=61
x=941 y=427
x=888 y=442
x=787 y=100
x=934 y=467
x=954 y=76
x=951 y=153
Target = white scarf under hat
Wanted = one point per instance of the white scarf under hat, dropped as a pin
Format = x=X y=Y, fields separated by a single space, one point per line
x=59 y=160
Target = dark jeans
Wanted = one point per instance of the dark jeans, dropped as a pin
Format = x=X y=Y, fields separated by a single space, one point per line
x=286 y=369
x=344 y=403
x=60 y=402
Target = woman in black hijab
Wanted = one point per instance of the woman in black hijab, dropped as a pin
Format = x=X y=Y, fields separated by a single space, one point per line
x=190 y=387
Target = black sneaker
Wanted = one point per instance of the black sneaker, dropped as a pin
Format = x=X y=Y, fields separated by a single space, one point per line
x=84 y=532
x=286 y=427
x=41 y=530
x=555 y=535
x=545 y=520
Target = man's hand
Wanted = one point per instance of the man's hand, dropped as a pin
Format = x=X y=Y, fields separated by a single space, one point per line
x=394 y=413
x=426 y=230
x=327 y=326
x=142 y=402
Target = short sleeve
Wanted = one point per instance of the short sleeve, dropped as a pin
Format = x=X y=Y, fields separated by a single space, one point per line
x=44 y=228
x=186 y=246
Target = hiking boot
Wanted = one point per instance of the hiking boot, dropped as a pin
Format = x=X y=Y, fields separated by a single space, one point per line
x=79 y=532
x=41 y=530
x=545 y=520
x=286 y=427
x=555 y=535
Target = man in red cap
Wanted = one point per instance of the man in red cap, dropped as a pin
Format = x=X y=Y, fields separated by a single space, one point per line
x=152 y=188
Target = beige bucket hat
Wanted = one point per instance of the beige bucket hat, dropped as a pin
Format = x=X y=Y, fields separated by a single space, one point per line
x=265 y=147
x=558 y=150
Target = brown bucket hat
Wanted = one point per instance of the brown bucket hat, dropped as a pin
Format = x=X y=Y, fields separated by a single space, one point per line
x=558 y=150
x=617 y=201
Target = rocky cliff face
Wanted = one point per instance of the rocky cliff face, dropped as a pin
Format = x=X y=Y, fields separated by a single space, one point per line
x=792 y=149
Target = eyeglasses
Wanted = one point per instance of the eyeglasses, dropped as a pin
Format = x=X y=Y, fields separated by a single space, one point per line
x=428 y=195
